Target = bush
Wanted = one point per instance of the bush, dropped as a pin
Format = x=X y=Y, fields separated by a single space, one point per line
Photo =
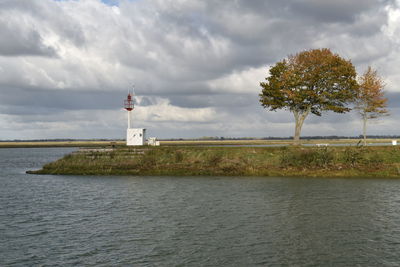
x=148 y=160
x=178 y=156
x=354 y=156
x=373 y=159
x=214 y=159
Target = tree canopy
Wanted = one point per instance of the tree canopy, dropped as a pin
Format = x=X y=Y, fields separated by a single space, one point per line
x=311 y=81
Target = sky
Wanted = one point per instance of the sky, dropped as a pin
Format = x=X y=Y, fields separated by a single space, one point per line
x=66 y=66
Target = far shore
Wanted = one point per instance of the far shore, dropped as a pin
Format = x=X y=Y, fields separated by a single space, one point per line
x=26 y=144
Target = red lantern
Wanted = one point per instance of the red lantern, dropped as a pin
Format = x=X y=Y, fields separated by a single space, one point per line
x=128 y=103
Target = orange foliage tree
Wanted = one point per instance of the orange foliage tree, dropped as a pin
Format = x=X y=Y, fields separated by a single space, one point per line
x=311 y=81
x=371 y=102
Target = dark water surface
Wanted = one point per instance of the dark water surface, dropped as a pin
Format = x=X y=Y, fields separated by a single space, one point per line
x=192 y=221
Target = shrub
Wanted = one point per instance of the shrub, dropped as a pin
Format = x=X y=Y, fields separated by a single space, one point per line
x=353 y=156
x=149 y=159
x=178 y=156
x=373 y=159
x=214 y=159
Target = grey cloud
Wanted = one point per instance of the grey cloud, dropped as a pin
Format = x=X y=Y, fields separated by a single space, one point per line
x=37 y=16
x=263 y=33
x=260 y=31
x=20 y=40
x=341 y=11
x=12 y=5
x=393 y=99
x=145 y=101
x=33 y=101
x=214 y=100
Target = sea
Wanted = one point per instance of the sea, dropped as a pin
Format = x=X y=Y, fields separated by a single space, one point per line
x=48 y=220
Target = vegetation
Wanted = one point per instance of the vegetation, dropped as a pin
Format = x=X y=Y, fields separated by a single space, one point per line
x=233 y=161
x=371 y=102
x=312 y=81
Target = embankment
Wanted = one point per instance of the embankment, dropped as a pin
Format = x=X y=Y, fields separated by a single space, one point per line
x=232 y=161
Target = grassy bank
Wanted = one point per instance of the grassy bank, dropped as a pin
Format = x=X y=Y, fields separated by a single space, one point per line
x=235 y=161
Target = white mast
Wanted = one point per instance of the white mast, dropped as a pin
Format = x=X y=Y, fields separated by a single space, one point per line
x=134 y=137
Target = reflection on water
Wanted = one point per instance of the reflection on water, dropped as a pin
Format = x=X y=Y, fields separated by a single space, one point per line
x=204 y=221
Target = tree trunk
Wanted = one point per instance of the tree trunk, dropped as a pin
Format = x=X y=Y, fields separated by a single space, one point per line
x=365 y=129
x=299 y=120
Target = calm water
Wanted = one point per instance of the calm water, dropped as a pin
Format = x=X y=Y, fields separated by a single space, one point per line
x=154 y=221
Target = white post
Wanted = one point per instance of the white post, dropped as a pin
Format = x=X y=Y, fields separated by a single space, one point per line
x=129 y=119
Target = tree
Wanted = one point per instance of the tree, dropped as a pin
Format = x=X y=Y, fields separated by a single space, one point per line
x=371 y=102
x=311 y=81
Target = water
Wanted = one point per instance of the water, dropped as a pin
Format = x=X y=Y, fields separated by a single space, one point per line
x=192 y=221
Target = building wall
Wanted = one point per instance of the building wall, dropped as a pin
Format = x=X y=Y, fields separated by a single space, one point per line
x=135 y=137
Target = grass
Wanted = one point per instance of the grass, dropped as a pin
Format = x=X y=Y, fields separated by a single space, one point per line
x=233 y=161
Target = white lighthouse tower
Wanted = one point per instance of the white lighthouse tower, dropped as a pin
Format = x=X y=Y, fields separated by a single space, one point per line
x=134 y=136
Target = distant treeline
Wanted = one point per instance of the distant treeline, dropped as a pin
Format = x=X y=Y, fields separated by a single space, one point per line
x=62 y=140
x=283 y=138
x=216 y=138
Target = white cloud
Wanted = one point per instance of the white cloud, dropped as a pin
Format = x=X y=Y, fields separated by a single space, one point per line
x=246 y=81
x=163 y=111
x=392 y=28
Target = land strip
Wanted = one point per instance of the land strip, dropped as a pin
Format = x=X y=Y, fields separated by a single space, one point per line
x=379 y=162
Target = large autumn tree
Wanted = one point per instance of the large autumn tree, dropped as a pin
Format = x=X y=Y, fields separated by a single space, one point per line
x=371 y=102
x=311 y=81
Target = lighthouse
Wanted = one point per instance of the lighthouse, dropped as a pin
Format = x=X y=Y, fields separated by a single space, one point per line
x=134 y=136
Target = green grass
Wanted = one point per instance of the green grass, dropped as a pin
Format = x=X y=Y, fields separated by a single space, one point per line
x=233 y=161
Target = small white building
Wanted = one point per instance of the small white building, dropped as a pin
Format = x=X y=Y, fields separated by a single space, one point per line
x=135 y=137
x=152 y=141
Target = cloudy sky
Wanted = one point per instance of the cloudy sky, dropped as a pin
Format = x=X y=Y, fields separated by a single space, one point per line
x=66 y=66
